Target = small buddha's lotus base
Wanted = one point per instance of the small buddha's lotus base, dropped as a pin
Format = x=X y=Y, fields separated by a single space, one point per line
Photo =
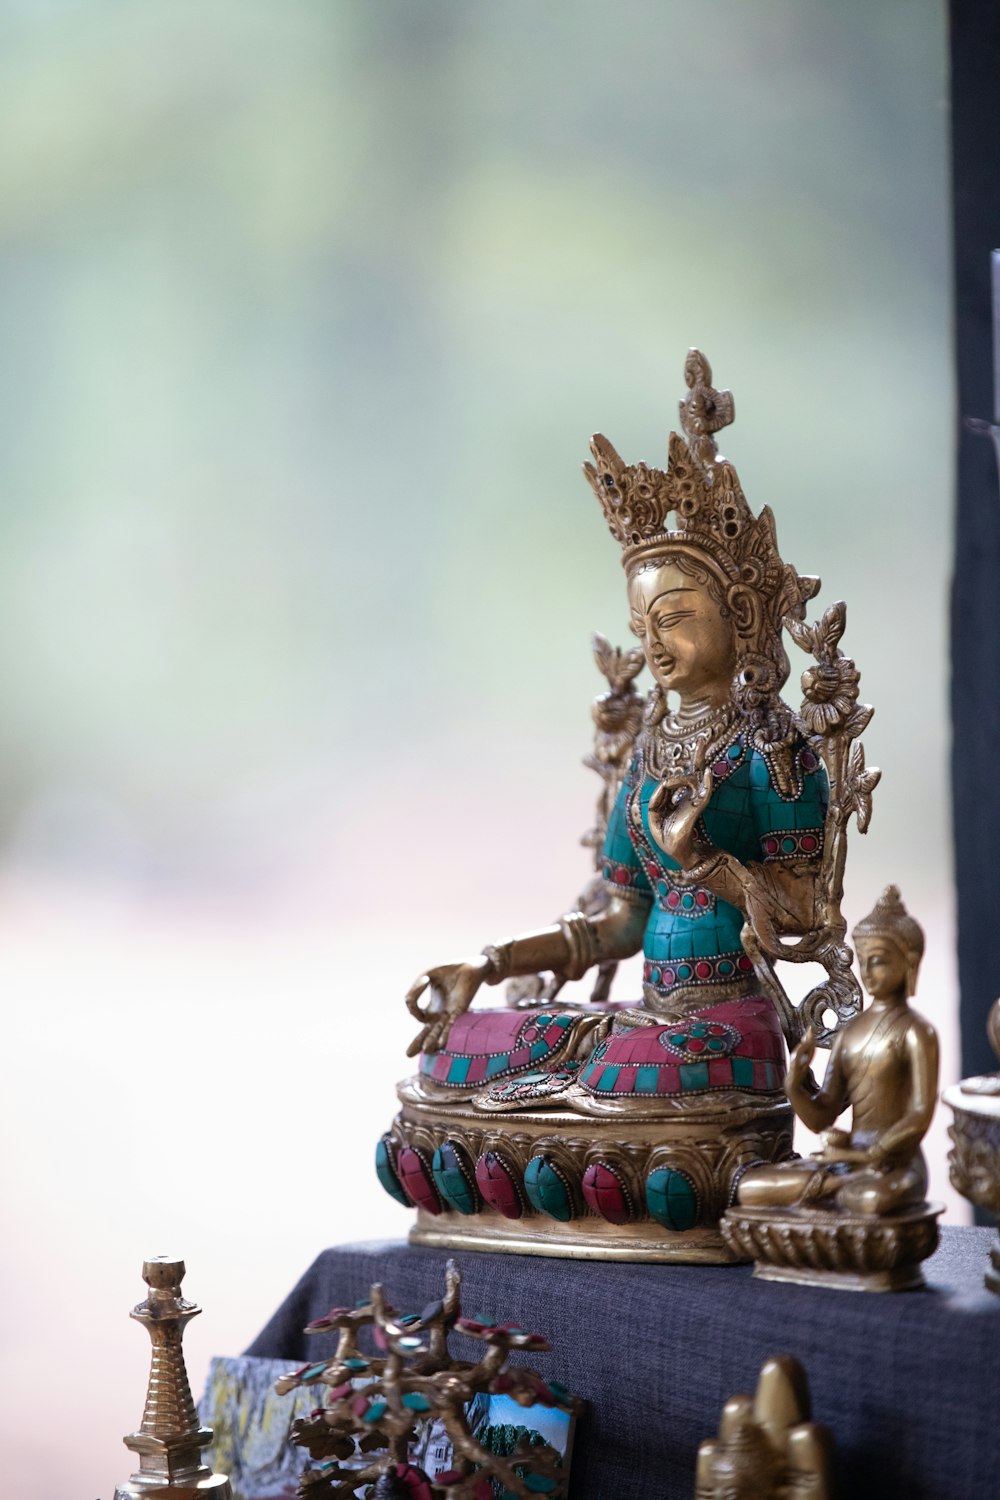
x=826 y=1247
x=647 y=1185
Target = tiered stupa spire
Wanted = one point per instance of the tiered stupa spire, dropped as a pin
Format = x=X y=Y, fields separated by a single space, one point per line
x=170 y=1439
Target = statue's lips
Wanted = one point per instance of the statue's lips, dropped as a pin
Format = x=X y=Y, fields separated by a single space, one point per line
x=664 y=664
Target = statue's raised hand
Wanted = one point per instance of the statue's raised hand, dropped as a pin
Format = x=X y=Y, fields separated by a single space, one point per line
x=800 y=1063
x=452 y=989
x=676 y=806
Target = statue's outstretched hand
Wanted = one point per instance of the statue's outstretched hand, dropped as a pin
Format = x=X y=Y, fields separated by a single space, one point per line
x=676 y=806
x=452 y=988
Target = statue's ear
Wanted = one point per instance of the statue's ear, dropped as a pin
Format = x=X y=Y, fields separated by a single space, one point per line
x=912 y=968
x=745 y=607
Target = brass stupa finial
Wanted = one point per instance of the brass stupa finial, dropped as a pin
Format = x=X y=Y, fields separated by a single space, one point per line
x=170 y=1439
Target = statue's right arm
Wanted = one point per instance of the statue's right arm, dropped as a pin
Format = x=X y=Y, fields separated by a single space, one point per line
x=573 y=944
x=569 y=948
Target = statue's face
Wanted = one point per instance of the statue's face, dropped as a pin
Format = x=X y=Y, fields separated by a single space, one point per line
x=688 y=645
x=885 y=969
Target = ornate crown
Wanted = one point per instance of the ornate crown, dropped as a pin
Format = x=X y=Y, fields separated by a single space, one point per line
x=702 y=489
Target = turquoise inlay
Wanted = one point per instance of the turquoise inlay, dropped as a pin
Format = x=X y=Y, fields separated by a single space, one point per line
x=355 y=1364
x=546 y=1190
x=694 y=1075
x=608 y=1077
x=588 y=1077
x=375 y=1411
x=742 y=1072
x=497 y=1065
x=538 y=1484
x=314 y=1370
x=759 y=774
x=646 y=1079
x=386 y=1174
x=459 y=1069
x=671 y=1199
x=618 y=846
x=540 y=1050
x=451 y=1182
x=564 y=1021
x=725 y=967
x=705 y=941
x=717 y=1045
x=416 y=1401
x=744 y=807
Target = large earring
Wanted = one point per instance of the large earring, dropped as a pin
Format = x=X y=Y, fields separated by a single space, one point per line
x=755 y=683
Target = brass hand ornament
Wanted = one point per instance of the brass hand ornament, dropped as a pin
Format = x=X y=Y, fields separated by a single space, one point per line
x=453 y=988
x=676 y=806
x=800 y=1065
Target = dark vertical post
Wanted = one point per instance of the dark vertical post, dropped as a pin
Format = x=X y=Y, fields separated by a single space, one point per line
x=975 y=602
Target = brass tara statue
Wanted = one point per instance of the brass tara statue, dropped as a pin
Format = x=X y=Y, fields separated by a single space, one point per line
x=567 y=1123
x=767 y=1446
x=855 y=1213
x=974 y=1160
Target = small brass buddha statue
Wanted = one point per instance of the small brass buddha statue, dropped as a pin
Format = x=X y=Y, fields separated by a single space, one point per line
x=872 y=1178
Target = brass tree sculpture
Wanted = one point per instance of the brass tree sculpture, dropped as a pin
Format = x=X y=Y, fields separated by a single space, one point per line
x=414 y=1379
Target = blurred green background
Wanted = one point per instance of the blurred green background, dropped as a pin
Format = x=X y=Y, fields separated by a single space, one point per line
x=307 y=311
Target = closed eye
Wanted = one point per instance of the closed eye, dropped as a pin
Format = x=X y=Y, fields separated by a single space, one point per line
x=666 y=622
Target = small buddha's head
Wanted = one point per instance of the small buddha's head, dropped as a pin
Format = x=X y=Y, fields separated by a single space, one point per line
x=890 y=945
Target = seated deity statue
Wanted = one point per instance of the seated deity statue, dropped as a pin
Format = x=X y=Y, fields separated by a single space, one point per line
x=884 y=1065
x=591 y=1125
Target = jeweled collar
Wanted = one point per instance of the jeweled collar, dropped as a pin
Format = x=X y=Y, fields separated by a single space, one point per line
x=670 y=744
